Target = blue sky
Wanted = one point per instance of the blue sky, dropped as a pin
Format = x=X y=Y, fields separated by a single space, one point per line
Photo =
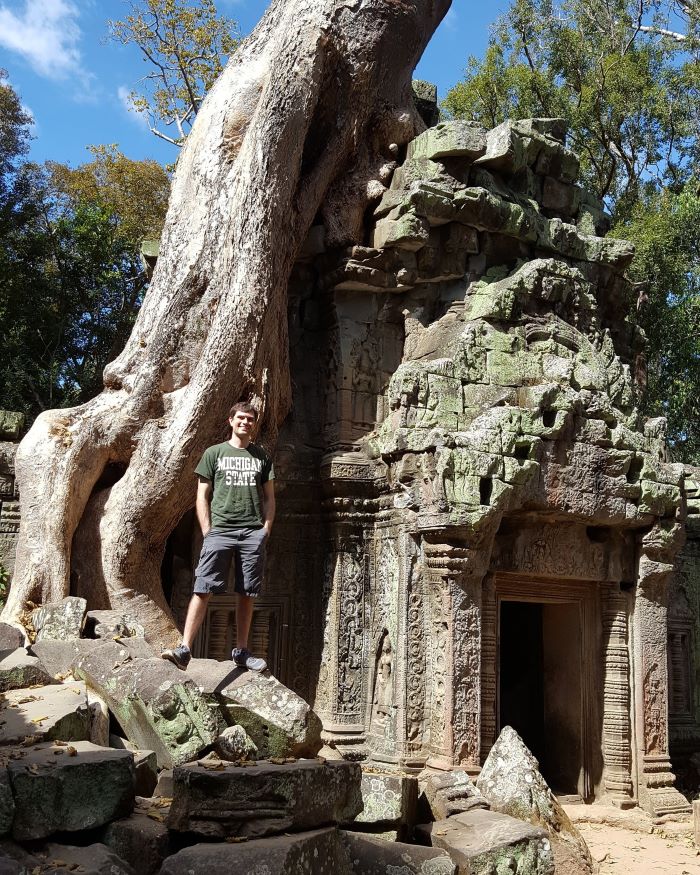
x=74 y=80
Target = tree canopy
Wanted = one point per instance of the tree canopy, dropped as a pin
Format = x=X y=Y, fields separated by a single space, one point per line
x=626 y=77
x=185 y=47
x=628 y=91
x=71 y=279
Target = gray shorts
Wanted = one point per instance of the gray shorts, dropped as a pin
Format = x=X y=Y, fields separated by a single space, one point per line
x=245 y=547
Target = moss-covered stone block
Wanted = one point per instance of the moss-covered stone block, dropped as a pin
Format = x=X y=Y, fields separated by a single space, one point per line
x=455 y=139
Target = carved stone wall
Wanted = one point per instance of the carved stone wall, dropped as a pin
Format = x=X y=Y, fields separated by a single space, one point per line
x=11 y=426
x=465 y=432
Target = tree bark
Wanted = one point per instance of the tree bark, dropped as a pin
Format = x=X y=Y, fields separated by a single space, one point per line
x=306 y=117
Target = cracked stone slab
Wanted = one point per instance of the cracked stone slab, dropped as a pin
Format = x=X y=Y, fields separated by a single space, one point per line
x=95 y=859
x=158 y=706
x=370 y=855
x=483 y=842
x=18 y=670
x=52 y=712
x=278 y=722
x=319 y=852
x=69 y=788
x=141 y=839
x=221 y=800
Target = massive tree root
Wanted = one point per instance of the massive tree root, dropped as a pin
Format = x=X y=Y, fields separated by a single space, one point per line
x=307 y=116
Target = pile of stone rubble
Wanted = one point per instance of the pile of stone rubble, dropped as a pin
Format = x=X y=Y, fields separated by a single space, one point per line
x=114 y=761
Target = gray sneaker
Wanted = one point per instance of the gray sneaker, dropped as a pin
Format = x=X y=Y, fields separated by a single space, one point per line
x=244 y=659
x=179 y=656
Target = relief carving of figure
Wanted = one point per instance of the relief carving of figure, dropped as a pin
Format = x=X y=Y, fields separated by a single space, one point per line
x=383 y=698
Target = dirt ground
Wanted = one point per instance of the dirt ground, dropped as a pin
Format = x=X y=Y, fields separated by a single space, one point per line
x=628 y=843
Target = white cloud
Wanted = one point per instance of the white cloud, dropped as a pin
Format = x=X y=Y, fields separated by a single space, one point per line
x=138 y=117
x=46 y=34
x=451 y=20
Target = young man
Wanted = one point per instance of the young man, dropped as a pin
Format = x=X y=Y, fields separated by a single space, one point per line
x=235 y=508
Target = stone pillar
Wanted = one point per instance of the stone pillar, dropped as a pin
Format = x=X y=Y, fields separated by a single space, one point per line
x=656 y=791
x=454 y=593
x=341 y=693
x=617 y=728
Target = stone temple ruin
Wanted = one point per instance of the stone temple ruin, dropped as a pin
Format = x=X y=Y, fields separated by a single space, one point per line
x=476 y=527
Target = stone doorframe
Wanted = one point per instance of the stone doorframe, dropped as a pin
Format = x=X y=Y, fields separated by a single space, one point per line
x=512 y=587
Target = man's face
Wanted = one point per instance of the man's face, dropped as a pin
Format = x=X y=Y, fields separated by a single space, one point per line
x=242 y=424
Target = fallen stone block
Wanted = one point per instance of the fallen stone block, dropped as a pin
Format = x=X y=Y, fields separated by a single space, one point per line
x=454 y=139
x=99 y=719
x=7 y=803
x=279 y=722
x=389 y=800
x=157 y=705
x=11 y=637
x=59 y=657
x=696 y=821
x=234 y=743
x=222 y=800
x=69 y=788
x=54 y=712
x=511 y=782
x=60 y=622
x=95 y=859
x=483 y=842
x=448 y=793
x=112 y=624
x=19 y=670
x=374 y=856
x=16 y=860
x=145 y=772
x=165 y=786
x=320 y=852
x=141 y=839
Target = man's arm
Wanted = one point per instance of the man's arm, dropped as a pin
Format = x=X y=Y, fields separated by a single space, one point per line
x=268 y=507
x=203 y=504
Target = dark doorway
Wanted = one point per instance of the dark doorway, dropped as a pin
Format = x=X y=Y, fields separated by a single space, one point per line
x=540 y=687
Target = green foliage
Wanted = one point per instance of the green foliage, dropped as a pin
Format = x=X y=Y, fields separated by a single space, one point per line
x=666 y=231
x=626 y=77
x=629 y=94
x=185 y=46
x=71 y=279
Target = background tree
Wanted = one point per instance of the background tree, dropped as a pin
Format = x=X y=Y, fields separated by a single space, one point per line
x=186 y=47
x=73 y=278
x=666 y=232
x=626 y=77
x=629 y=94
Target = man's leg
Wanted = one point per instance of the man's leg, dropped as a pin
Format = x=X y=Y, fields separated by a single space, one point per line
x=244 y=618
x=250 y=563
x=196 y=612
x=210 y=576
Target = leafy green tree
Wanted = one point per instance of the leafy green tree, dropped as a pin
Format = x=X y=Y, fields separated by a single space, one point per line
x=666 y=233
x=628 y=90
x=74 y=278
x=185 y=46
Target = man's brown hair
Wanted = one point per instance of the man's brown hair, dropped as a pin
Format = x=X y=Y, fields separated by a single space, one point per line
x=243 y=407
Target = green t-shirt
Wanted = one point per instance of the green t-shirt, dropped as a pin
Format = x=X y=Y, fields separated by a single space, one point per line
x=237 y=476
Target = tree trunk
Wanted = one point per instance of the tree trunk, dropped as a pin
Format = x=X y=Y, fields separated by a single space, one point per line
x=306 y=117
